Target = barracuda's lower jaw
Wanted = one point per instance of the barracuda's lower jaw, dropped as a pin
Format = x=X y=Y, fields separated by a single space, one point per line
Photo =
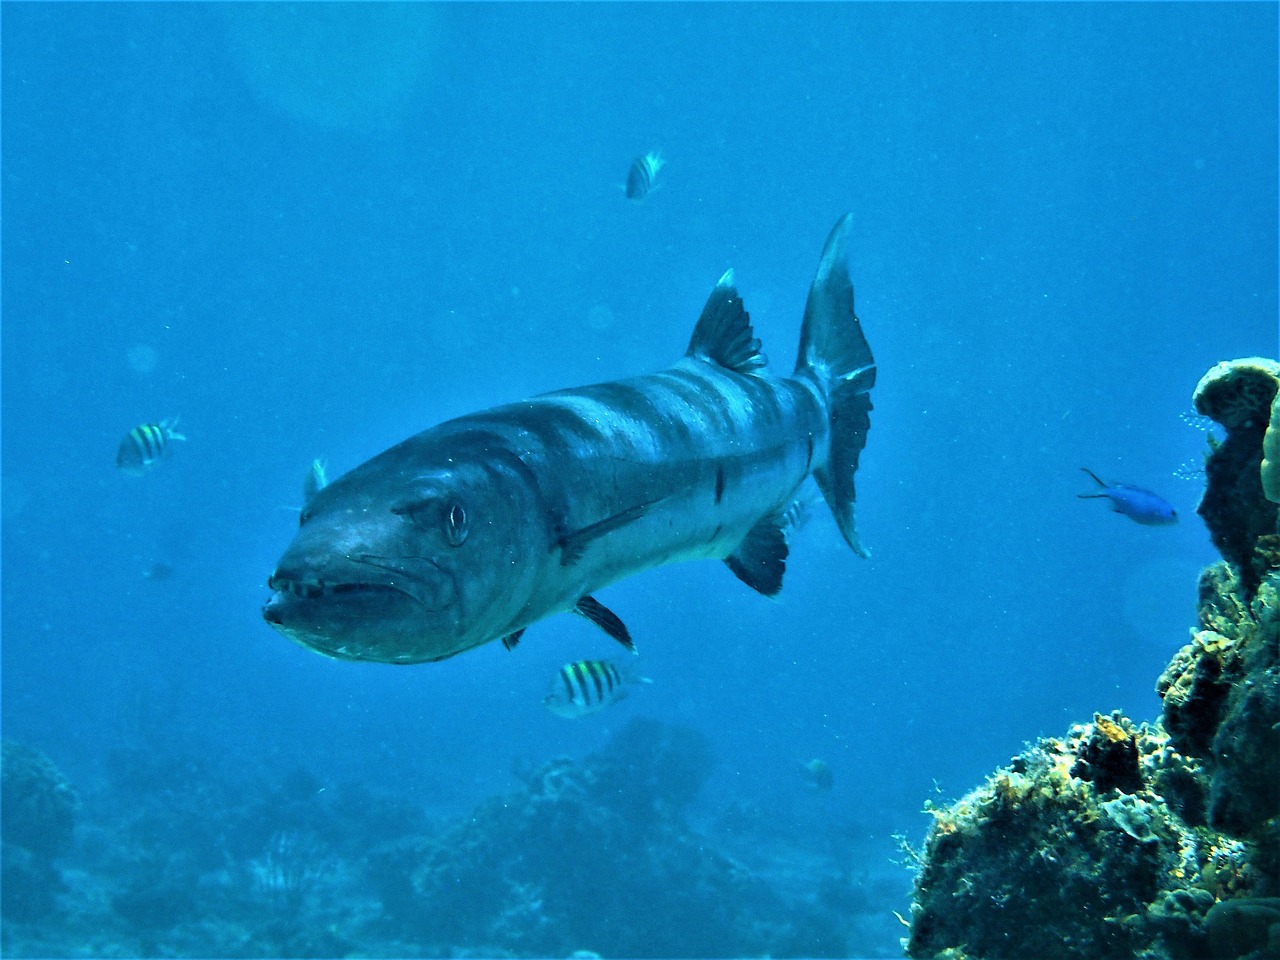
x=349 y=621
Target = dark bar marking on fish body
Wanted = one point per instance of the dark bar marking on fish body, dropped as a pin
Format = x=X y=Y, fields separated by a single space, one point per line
x=594 y=669
x=719 y=482
x=606 y=620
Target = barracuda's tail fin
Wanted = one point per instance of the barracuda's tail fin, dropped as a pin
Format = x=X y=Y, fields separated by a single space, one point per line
x=835 y=354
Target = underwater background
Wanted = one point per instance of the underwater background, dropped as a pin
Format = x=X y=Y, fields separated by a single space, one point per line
x=312 y=231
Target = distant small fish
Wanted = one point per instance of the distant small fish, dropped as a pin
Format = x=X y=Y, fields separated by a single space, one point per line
x=818 y=773
x=1141 y=506
x=642 y=178
x=315 y=480
x=586 y=687
x=158 y=571
x=145 y=445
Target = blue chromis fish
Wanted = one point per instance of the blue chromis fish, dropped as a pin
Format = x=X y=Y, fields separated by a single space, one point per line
x=643 y=175
x=475 y=529
x=146 y=445
x=1141 y=506
x=586 y=687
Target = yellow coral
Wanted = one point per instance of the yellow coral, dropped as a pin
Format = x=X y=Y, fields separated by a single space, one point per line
x=1110 y=729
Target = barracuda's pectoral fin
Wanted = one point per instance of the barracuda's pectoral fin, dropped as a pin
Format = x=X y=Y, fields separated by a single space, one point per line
x=761 y=558
x=606 y=620
x=723 y=334
x=573 y=545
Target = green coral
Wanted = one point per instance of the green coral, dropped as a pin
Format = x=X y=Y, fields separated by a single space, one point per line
x=1271 y=454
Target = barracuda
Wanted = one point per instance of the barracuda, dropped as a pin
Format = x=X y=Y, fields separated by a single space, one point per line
x=477 y=528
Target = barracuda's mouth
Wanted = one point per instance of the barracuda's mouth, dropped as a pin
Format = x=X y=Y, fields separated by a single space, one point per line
x=318 y=589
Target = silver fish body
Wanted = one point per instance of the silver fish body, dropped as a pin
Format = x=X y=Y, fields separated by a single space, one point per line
x=477 y=528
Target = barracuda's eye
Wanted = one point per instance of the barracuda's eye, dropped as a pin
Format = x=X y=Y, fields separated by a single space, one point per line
x=456 y=524
x=436 y=514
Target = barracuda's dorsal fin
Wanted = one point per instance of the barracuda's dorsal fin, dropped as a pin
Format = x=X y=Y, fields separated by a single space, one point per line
x=606 y=620
x=723 y=334
x=761 y=558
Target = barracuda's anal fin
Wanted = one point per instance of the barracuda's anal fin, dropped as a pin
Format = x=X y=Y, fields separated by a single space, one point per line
x=761 y=558
x=511 y=639
x=573 y=545
x=606 y=620
x=723 y=334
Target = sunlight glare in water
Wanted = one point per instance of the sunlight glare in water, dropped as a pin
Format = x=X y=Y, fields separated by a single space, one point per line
x=355 y=66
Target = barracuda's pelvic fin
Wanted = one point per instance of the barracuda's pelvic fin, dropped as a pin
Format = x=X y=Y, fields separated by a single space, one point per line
x=511 y=639
x=723 y=334
x=761 y=558
x=606 y=620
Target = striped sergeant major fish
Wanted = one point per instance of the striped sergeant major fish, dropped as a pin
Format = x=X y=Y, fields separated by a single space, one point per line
x=586 y=687
x=146 y=445
x=475 y=529
x=643 y=175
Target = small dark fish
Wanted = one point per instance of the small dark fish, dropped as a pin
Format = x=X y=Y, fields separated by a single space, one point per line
x=158 y=571
x=643 y=175
x=818 y=773
x=145 y=445
x=1141 y=506
x=586 y=687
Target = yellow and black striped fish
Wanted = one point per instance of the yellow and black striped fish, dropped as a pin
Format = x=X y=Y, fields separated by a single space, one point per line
x=145 y=445
x=643 y=175
x=587 y=686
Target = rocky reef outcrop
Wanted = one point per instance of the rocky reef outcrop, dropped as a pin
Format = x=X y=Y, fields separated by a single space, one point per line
x=1154 y=840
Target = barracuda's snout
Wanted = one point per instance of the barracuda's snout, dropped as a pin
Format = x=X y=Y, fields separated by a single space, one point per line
x=397 y=565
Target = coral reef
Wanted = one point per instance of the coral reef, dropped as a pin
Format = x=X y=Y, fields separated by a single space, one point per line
x=1157 y=840
x=195 y=854
x=1221 y=698
x=1239 y=395
x=39 y=821
x=564 y=864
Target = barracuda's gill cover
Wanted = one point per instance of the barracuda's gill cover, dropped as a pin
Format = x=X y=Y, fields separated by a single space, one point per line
x=477 y=528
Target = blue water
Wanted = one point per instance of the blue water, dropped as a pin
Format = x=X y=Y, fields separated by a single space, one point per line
x=330 y=227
